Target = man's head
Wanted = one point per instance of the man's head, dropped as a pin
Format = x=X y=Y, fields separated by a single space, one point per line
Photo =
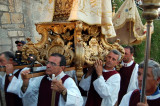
x=128 y=54
x=112 y=59
x=19 y=44
x=152 y=77
x=55 y=64
x=6 y=58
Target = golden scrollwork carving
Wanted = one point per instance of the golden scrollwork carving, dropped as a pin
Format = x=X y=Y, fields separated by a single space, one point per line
x=97 y=47
x=79 y=49
x=28 y=49
x=78 y=42
x=53 y=40
x=58 y=46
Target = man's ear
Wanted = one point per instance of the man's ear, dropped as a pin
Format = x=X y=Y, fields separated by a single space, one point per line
x=158 y=79
x=11 y=60
x=63 y=67
x=132 y=54
x=118 y=62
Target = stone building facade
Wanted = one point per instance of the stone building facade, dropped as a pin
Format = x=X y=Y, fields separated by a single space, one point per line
x=14 y=23
x=18 y=18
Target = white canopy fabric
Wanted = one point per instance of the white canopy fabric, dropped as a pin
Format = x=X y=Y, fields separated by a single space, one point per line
x=128 y=24
x=94 y=12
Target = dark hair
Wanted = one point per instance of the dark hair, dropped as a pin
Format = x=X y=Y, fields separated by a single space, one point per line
x=63 y=59
x=8 y=55
x=22 y=42
x=131 y=48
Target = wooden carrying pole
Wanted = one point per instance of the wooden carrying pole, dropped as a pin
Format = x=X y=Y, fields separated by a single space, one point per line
x=40 y=73
x=3 y=68
x=147 y=56
x=35 y=73
x=150 y=13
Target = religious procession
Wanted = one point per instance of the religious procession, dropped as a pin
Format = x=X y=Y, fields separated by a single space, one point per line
x=79 y=53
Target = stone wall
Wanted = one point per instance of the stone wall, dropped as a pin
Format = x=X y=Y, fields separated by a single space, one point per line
x=13 y=23
x=18 y=18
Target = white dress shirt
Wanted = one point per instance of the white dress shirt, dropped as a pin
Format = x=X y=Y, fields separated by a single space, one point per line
x=133 y=84
x=13 y=84
x=16 y=84
x=2 y=78
x=72 y=74
x=108 y=90
x=74 y=97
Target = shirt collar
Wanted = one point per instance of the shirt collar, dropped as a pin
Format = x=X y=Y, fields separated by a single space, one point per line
x=127 y=64
x=104 y=70
x=58 y=77
x=157 y=92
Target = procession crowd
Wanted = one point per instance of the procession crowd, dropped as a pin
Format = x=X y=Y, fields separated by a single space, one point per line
x=101 y=84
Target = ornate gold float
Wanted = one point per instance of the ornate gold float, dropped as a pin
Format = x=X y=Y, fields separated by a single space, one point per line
x=79 y=42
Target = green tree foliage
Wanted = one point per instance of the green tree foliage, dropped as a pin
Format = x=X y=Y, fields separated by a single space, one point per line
x=155 y=42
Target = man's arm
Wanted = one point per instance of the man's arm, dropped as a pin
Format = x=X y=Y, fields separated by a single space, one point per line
x=89 y=72
x=57 y=86
x=99 y=67
x=105 y=88
x=85 y=83
x=25 y=80
x=86 y=80
x=69 y=91
x=15 y=83
x=143 y=104
x=30 y=96
x=109 y=88
x=9 y=71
